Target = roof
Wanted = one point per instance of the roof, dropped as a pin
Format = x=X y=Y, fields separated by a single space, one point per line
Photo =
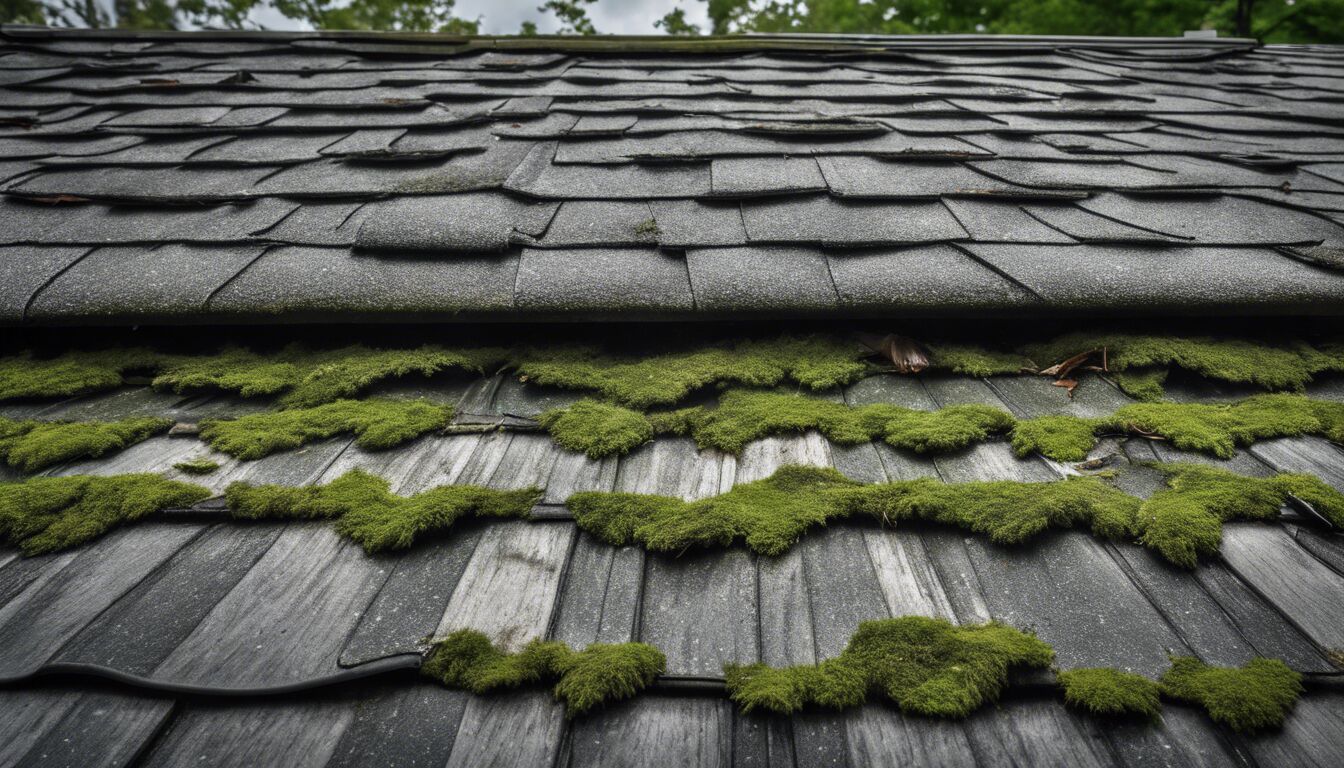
x=262 y=177
x=283 y=643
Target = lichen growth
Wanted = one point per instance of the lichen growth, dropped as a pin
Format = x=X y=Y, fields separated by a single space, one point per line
x=1256 y=696
x=1288 y=366
x=47 y=514
x=926 y=666
x=32 y=445
x=304 y=377
x=583 y=680
x=1216 y=429
x=197 y=466
x=366 y=510
x=815 y=362
x=771 y=514
x=743 y=416
x=376 y=423
x=1184 y=521
x=1111 y=692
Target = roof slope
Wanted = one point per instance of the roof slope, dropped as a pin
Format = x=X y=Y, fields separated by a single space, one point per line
x=262 y=177
x=257 y=609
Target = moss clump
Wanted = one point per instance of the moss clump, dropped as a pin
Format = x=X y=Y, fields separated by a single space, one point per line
x=72 y=373
x=1105 y=691
x=770 y=515
x=583 y=679
x=1142 y=383
x=376 y=423
x=366 y=510
x=743 y=416
x=32 y=445
x=926 y=666
x=1256 y=696
x=815 y=362
x=647 y=227
x=1272 y=367
x=597 y=429
x=197 y=466
x=975 y=361
x=1207 y=428
x=47 y=514
x=306 y=378
x=1185 y=520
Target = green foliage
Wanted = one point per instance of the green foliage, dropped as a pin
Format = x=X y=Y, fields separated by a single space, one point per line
x=816 y=362
x=1233 y=360
x=770 y=515
x=572 y=15
x=674 y=23
x=597 y=429
x=47 y=514
x=312 y=377
x=1104 y=691
x=584 y=679
x=197 y=466
x=926 y=666
x=22 y=12
x=376 y=423
x=380 y=15
x=1256 y=696
x=32 y=445
x=1185 y=520
x=367 y=511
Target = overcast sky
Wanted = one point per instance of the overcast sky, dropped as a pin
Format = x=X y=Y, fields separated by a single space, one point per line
x=627 y=17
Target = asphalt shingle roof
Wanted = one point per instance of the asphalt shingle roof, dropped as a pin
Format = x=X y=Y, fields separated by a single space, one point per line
x=1061 y=166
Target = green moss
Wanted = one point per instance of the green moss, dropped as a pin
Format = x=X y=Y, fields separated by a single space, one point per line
x=1207 y=428
x=306 y=378
x=1184 y=521
x=975 y=361
x=367 y=511
x=32 y=445
x=197 y=466
x=1142 y=383
x=72 y=373
x=1273 y=367
x=1256 y=696
x=1111 y=692
x=597 y=429
x=583 y=680
x=926 y=666
x=815 y=362
x=376 y=423
x=647 y=227
x=770 y=515
x=742 y=416
x=46 y=514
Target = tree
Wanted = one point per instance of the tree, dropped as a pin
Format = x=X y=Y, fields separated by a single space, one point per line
x=394 y=15
x=572 y=16
x=22 y=12
x=675 y=23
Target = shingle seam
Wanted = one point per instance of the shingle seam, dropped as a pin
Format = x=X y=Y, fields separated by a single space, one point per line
x=28 y=306
x=1082 y=204
x=206 y=305
x=996 y=270
x=1289 y=620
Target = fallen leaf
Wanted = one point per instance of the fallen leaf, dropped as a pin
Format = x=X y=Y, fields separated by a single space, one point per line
x=1062 y=370
x=1068 y=384
x=905 y=353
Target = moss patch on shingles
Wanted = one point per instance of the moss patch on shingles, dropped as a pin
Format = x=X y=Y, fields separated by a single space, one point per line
x=1216 y=429
x=197 y=466
x=771 y=514
x=600 y=429
x=926 y=666
x=1111 y=692
x=366 y=510
x=583 y=680
x=815 y=362
x=304 y=377
x=47 y=514
x=1289 y=366
x=73 y=373
x=376 y=423
x=971 y=360
x=32 y=445
x=1254 y=697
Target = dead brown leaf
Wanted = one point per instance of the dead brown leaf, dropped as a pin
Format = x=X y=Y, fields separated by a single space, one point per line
x=1062 y=370
x=905 y=354
x=1068 y=384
